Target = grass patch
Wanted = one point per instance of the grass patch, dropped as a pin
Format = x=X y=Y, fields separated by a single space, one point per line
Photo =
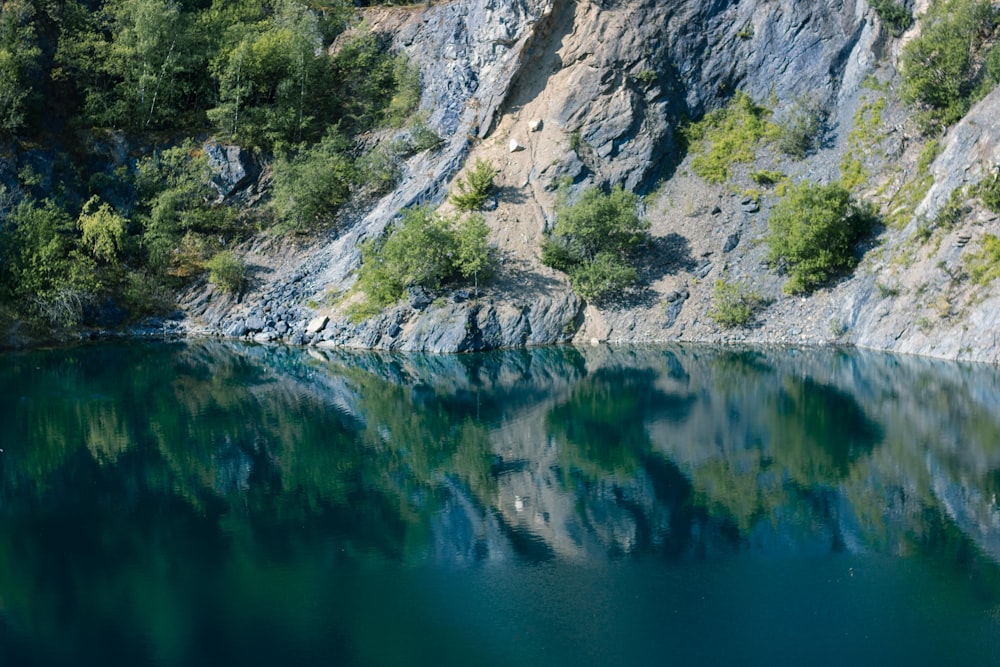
x=984 y=264
x=728 y=136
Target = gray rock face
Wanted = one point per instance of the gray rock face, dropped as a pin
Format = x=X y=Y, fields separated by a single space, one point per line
x=609 y=82
x=232 y=168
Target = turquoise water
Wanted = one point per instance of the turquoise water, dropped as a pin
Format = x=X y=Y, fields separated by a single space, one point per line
x=214 y=504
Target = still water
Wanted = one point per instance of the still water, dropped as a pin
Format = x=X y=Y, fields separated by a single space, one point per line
x=216 y=504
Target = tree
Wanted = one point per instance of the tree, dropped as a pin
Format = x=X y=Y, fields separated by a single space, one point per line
x=813 y=231
x=310 y=186
x=475 y=188
x=19 y=53
x=424 y=249
x=104 y=232
x=273 y=82
x=944 y=65
x=473 y=256
x=595 y=239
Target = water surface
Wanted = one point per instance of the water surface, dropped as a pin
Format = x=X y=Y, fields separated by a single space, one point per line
x=213 y=504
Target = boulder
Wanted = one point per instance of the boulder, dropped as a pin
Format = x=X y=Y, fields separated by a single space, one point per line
x=232 y=168
x=317 y=324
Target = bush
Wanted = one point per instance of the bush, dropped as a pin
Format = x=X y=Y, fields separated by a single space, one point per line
x=988 y=191
x=896 y=17
x=945 y=70
x=227 y=272
x=984 y=265
x=813 y=231
x=424 y=249
x=733 y=304
x=799 y=129
x=475 y=188
x=312 y=185
x=728 y=136
x=594 y=241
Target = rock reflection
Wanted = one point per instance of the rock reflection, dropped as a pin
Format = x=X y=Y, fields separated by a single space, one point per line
x=558 y=453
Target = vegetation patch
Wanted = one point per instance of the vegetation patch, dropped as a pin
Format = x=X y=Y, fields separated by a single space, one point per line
x=734 y=304
x=862 y=143
x=595 y=239
x=227 y=272
x=953 y=63
x=895 y=16
x=423 y=250
x=984 y=264
x=125 y=74
x=473 y=190
x=728 y=136
x=812 y=234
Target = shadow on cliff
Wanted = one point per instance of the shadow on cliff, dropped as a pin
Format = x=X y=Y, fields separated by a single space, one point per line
x=664 y=256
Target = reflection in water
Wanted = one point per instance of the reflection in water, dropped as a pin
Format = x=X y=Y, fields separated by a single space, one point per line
x=148 y=491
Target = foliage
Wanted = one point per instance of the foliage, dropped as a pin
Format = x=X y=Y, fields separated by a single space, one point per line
x=19 y=62
x=227 y=272
x=424 y=249
x=733 y=304
x=104 y=231
x=862 y=142
x=175 y=200
x=49 y=279
x=913 y=191
x=474 y=257
x=799 y=129
x=895 y=16
x=310 y=186
x=728 y=136
x=984 y=264
x=767 y=177
x=988 y=191
x=947 y=68
x=595 y=239
x=475 y=188
x=813 y=231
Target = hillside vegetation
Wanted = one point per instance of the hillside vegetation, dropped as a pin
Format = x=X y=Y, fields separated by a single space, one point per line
x=97 y=235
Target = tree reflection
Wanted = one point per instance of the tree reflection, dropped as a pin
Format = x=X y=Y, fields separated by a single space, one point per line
x=122 y=461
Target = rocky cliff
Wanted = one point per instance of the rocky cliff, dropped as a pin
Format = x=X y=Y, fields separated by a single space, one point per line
x=595 y=91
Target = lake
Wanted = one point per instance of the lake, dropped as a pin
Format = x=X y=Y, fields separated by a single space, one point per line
x=210 y=503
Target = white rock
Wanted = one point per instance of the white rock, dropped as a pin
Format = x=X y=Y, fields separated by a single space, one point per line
x=535 y=124
x=515 y=147
x=317 y=324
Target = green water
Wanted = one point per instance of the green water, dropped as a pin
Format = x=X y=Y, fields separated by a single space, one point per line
x=215 y=504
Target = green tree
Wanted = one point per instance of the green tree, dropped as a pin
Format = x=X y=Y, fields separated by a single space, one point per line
x=943 y=67
x=473 y=254
x=812 y=233
x=104 y=232
x=310 y=186
x=475 y=188
x=19 y=53
x=595 y=239
x=273 y=82
x=424 y=249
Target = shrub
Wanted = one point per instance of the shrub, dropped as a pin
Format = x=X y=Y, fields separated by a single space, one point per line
x=475 y=189
x=896 y=17
x=733 y=304
x=799 y=129
x=227 y=272
x=594 y=241
x=312 y=185
x=984 y=265
x=988 y=191
x=424 y=249
x=813 y=230
x=728 y=136
x=944 y=68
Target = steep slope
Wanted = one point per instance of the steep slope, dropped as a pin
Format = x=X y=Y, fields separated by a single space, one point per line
x=606 y=86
